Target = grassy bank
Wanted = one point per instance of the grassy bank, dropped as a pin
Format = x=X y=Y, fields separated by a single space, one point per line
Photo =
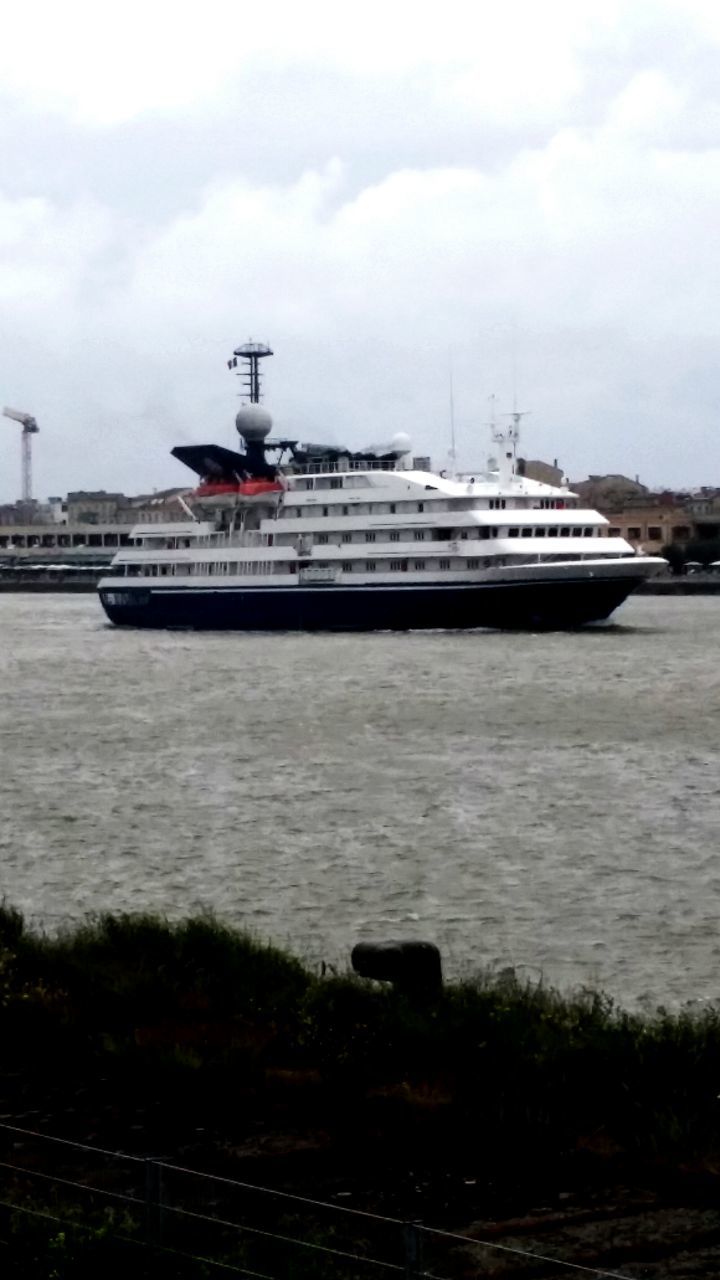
x=138 y=1033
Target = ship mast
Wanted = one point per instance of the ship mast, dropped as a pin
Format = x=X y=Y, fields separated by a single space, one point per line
x=250 y=354
x=507 y=437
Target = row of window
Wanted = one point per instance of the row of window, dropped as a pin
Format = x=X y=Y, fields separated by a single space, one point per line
x=652 y=532
x=362 y=509
x=360 y=481
x=395 y=535
x=482 y=531
x=11 y=541
x=212 y=568
x=257 y=568
x=562 y=531
x=406 y=508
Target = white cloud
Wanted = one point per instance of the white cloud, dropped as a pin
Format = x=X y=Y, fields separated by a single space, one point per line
x=109 y=64
x=585 y=240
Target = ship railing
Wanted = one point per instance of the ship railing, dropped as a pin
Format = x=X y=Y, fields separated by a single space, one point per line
x=323 y=466
x=249 y=538
x=238 y=538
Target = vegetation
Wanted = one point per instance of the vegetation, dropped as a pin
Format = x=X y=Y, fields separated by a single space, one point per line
x=129 y=1031
x=703 y=551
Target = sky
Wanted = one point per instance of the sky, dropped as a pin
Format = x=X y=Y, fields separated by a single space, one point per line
x=522 y=199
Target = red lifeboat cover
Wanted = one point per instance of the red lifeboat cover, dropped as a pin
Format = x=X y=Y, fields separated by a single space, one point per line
x=243 y=489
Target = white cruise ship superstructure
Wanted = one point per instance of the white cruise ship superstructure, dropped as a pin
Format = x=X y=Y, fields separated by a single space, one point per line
x=293 y=536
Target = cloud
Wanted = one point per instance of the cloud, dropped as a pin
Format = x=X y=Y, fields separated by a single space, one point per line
x=534 y=190
x=104 y=66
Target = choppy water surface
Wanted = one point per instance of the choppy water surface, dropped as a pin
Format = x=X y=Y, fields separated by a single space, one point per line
x=549 y=801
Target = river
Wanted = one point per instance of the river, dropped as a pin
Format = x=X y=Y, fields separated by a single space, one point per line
x=549 y=802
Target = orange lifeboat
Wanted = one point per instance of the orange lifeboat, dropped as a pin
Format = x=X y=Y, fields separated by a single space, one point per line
x=241 y=491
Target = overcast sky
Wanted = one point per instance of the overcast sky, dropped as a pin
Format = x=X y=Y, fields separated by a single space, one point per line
x=529 y=190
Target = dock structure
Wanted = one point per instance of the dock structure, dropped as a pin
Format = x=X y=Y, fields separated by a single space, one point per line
x=60 y=556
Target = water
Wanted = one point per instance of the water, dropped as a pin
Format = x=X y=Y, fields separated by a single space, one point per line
x=550 y=802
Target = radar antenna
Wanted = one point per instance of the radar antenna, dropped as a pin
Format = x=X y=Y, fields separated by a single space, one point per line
x=512 y=431
x=453 y=451
x=507 y=435
x=249 y=355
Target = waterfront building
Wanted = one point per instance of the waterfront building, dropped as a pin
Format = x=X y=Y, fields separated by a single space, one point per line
x=544 y=472
x=77 y=536
x=651 y=525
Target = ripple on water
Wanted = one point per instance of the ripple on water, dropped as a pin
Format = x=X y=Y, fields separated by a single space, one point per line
x=547 y=802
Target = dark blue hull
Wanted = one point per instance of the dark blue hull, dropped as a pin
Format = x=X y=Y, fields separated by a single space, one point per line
x=552 y=605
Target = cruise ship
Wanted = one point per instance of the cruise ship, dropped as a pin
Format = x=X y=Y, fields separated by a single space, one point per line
x=290 y=536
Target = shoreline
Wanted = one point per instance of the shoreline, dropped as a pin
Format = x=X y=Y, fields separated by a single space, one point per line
x=461 y=1106
x=692 y=585
x=29 y=587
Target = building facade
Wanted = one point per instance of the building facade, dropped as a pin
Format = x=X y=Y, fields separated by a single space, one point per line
x=87 y=528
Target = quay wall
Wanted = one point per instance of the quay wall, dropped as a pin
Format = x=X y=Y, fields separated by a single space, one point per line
x=694 y=584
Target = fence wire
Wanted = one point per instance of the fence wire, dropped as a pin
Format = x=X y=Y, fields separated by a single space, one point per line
x=234 y=1226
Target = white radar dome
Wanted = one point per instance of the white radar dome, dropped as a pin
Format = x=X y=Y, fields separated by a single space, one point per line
x=253 y=422
x=401 y=442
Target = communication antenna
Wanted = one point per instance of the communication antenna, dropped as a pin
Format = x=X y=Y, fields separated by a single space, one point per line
x=453 y=453
x=250 y=354
x=514 y=363
x=492 y=423
x=507 y=437
x=512 y=432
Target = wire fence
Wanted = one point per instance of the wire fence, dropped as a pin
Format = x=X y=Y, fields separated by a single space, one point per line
x=233 y=1227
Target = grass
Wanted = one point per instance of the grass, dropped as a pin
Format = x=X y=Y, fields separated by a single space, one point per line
x=195 y=1025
